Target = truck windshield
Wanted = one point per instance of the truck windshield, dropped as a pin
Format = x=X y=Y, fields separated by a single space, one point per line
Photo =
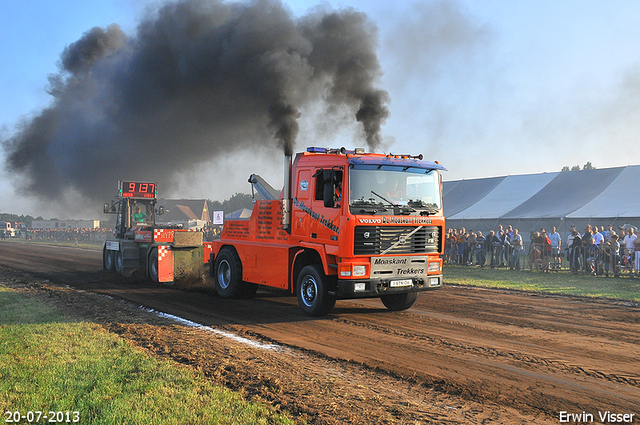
x=394 y=190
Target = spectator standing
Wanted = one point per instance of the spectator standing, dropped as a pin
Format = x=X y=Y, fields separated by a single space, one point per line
x=462 y=243
x=452 y=242
x=471 y=247
x=576 y=248
x=499 y=251
x=629 y=243
x=517 y=245
x=569 y=243
x=608 y=234
x=492 y=246
x=598 y=237
x=546 y=250
x=614 y=255
x=502 y=248
x=587 y=235
x=507 y=248
x=480 y=249
x=586 y=239
x=592 y=256
x=556 y=243
x=636 y=247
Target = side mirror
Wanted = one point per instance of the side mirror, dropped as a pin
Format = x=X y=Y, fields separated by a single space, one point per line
x=160 y=210
x=329 y=177
x=328 y=194
x=106 y=208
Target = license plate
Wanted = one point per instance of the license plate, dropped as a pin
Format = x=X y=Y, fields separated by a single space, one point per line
x=398 y=283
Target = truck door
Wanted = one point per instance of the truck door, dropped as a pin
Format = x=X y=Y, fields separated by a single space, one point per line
x=301 y=200
x=319 y=202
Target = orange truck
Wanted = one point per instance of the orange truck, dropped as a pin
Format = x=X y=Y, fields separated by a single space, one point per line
x=348 y=224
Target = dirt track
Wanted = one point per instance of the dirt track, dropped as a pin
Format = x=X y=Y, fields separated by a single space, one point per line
x=460 y=355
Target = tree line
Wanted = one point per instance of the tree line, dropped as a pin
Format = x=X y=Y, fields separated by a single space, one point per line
x=587 y=166
x=236 y=202
x=14 y=218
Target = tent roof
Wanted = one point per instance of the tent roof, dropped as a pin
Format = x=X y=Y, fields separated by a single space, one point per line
x=566 y=193
x=600 y=193
x=620 y=199
x=507 y=195
x=242 y=213
x=462 y=194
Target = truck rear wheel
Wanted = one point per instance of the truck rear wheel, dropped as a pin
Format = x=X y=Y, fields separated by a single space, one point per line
x=399 y=302
x=228 y=274
x=152 y=266
x=312 y=291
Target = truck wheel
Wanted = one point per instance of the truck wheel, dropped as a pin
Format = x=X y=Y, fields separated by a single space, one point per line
x=399 y=302
x=152 y=266
x=313 y=292
x=228 y=274
x=108 y=262
x=119 y=262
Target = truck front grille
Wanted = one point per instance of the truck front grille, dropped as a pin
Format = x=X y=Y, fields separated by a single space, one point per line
x=373 y=240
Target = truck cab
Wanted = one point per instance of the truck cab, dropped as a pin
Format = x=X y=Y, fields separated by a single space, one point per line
x=379 y=217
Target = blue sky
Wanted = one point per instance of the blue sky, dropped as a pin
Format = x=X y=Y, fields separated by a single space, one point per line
x=485 y=87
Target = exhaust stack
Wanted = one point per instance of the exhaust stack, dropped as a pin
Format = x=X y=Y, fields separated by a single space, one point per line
x=286 y=199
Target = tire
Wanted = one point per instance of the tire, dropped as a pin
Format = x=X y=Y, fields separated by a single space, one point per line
x=108 y=262
x=119 y=262
x=152 y=266
x=399 y=302
x=312 y=291
x=228 y=274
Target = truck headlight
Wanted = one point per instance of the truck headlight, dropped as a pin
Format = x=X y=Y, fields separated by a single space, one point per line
x=434 y=267
x=359 y=270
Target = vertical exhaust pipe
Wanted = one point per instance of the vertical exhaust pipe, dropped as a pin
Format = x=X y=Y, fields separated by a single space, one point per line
x=286 y=201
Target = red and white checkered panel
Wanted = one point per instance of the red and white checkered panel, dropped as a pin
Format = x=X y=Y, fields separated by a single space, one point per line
x=165 y=263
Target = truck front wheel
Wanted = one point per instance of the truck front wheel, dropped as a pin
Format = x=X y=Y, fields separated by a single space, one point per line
x=313 y=292
x=399 y=302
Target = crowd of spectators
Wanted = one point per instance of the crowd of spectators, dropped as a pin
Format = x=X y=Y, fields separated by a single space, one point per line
x=597 y=250
x=500 y=248
x=65 y=235
x=86 y=235
x=601 y=250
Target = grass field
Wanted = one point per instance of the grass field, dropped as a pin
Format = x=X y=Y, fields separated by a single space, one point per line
x=83 y=374
x=563 y=282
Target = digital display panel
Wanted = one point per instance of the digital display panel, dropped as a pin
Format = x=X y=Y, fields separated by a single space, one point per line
x=138 y=190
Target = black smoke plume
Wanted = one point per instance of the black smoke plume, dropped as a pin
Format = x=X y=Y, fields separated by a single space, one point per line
x=198 y=80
